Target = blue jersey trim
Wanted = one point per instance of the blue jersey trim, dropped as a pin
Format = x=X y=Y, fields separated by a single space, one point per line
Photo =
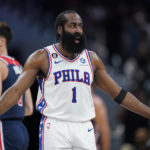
x=49 y=62
x=41 y=105
x=40 y=82
x=41 y=132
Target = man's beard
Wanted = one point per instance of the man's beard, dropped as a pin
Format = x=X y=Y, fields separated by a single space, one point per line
x=69 y=44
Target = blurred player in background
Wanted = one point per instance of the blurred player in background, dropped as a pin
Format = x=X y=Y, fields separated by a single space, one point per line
x=102 y=130
x=13 y=133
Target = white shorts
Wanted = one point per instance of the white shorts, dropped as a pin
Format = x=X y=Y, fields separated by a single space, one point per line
x=63 y=135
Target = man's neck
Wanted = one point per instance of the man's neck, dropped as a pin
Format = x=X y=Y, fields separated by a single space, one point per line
x=64 y=52
x=3 y=51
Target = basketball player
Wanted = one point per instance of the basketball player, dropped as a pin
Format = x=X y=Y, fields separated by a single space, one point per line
x=65 y=72
x=13 y=133
x=101 y=125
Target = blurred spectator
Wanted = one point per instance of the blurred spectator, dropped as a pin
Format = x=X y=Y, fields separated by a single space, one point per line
x=127 y=147
x=101 y=124
x=141 y=138
x=132 y=121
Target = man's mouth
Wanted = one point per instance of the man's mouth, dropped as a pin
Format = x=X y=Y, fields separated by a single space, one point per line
x=77 y=40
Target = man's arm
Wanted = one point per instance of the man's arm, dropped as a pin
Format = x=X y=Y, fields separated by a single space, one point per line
x=101 y=121
x=107 y=84
x=37 y=62
x=1 y=77
x=3 y=74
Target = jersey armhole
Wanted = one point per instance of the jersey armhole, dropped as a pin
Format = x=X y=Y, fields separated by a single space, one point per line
x=90 y=62
x=49 y=62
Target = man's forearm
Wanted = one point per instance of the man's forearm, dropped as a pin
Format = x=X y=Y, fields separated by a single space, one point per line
x=133 y=104
x=8 y=99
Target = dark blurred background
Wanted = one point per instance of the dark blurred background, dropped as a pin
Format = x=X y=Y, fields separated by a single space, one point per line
x=118 y=31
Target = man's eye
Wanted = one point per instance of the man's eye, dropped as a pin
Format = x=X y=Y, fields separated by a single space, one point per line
x=73 y=26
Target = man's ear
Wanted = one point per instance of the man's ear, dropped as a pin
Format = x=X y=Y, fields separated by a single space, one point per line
x=59 y=30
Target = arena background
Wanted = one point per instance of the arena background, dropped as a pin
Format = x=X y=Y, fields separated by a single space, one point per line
x=118 y=30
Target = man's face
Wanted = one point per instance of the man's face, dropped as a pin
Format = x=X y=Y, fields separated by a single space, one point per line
x=73 y=37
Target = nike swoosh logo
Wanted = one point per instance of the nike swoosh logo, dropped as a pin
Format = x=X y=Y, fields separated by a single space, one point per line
x=90 y=129
x=57 y=62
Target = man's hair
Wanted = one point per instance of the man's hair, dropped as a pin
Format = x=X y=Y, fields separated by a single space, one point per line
x=6 y=31
x=61 y=20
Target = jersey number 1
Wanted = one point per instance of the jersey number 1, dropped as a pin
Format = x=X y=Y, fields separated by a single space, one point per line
x=74 y=100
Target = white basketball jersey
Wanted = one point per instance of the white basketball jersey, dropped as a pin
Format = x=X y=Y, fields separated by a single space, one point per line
x=65 y=93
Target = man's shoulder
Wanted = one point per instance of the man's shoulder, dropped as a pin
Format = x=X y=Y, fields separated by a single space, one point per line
x=48 y=47
x=39 y=51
